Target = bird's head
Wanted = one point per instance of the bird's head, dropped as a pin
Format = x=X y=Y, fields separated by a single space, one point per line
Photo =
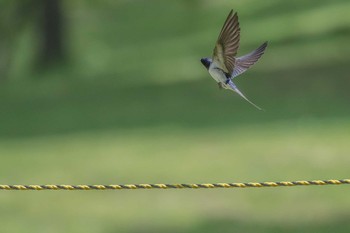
x=206 y=62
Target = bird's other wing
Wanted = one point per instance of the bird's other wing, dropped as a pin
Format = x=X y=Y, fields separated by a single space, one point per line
x=227 y=44
x=243 y=63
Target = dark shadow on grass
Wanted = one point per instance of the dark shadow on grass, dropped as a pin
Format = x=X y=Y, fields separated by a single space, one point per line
x=312 y=92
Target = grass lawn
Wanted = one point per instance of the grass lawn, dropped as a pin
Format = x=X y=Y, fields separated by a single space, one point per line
x=309 y=150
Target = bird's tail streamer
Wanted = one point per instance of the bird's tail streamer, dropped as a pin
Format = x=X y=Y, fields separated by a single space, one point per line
x=235 y=89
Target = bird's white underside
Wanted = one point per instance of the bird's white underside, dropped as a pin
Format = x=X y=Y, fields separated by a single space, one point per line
x=218 y=75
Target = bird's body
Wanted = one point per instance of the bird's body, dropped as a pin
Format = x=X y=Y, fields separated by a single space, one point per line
x=217 y=73
x=224 y=65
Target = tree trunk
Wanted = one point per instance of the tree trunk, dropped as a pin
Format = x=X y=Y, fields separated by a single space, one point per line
x=52 y=43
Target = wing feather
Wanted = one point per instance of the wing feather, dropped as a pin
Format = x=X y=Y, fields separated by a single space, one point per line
x=243 y=63
x=227 y=44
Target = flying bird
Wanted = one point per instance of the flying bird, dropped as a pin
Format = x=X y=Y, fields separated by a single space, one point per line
x=224 y=66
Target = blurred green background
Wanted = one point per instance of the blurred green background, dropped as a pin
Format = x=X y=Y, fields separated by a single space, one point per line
x=110 y=92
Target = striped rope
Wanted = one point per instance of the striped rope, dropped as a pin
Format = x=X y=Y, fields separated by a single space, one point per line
x=172 y=186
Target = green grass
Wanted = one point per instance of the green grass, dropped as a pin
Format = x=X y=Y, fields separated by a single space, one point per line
x=135 y=105
x=166 y=154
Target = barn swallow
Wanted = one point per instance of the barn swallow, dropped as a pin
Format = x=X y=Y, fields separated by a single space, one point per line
x=224 y=65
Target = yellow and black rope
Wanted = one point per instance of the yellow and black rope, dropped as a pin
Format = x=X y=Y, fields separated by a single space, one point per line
x=173 y=186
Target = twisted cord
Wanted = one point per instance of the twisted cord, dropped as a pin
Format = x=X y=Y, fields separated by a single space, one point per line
x=172 y=186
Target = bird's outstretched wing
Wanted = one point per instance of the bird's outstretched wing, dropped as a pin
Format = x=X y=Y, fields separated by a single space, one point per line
x=243 y=63
x=227 y=44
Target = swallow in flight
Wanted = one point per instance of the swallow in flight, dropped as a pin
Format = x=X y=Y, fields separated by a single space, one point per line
x=224 y=66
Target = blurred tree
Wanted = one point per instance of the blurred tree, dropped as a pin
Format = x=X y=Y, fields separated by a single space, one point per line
x=46 y=15
x=13 y=15
x=52 y=33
